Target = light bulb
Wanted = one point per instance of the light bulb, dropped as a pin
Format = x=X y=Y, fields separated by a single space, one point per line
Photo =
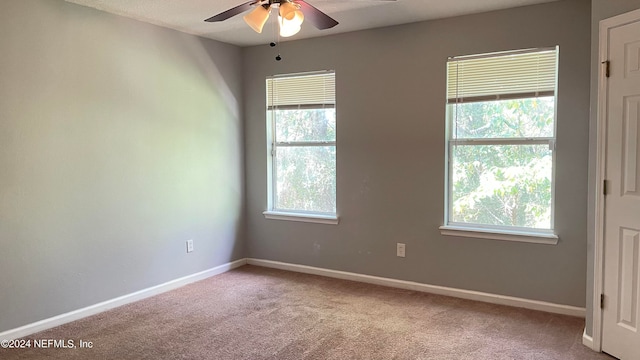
x=288 y=28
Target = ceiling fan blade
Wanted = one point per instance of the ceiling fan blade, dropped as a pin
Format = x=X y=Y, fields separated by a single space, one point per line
x=316 y=17
x=233 y=11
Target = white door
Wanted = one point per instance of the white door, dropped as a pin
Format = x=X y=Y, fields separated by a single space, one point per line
x=621 y=313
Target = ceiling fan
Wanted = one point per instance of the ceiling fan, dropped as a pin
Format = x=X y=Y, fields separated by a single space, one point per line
x=291 y=14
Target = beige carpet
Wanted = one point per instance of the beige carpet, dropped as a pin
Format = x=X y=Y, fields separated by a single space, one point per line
x=260 y=313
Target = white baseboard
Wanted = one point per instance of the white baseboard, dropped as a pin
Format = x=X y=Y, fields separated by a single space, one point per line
x=408 y=285
x=587 y=340
x=119 y=301
x=433 y=289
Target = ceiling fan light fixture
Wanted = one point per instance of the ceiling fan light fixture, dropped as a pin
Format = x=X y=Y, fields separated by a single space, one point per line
x=286 y=31
x=290 y=18
x=288 y=28
x=290 y=11
x=257 y=18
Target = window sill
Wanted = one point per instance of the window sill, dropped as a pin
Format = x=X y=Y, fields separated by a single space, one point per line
x=506 y=235
x=301 y=217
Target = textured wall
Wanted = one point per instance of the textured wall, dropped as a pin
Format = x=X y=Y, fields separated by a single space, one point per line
x=118 y=141
x=390 y=154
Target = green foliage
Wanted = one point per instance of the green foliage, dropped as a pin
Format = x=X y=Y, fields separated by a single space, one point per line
x=305 y=125
x=520 y=118
x=496 y=183
x=306 y=175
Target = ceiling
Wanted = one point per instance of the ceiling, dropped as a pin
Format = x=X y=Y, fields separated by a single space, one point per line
x=188 y=15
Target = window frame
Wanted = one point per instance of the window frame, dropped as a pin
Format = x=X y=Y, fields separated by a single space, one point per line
x=273 y=212
x=497 y=232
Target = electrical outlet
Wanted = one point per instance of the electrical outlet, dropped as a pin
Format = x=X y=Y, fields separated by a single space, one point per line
x=400 y=249
x=189 y=246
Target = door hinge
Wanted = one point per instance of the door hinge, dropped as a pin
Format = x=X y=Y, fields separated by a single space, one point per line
x=605 y=187
x=601 y=301
x=607 y=68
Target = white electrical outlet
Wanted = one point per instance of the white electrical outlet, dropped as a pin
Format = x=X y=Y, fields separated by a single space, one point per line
x=189 y=246
x=400 y=249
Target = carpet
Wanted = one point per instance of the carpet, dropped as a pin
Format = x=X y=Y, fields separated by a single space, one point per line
x=261 y=313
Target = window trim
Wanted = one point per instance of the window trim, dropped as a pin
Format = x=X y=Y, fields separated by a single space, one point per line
x=300 y=216
x=536 y=237
x=495 y=232
x=273 y=213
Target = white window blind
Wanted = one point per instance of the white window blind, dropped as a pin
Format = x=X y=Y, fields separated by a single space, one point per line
x=303 y=91
x=508 y=75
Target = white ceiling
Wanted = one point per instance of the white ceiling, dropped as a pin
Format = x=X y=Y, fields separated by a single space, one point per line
x=188 y=15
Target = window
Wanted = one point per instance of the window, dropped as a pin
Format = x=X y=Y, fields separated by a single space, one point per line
x=301 y=130
x=501 y=145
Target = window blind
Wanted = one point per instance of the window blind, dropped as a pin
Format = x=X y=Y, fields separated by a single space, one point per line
x=301 y=91
x=508 y=75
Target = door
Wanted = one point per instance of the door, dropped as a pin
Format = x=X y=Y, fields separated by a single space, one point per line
x=621 y=312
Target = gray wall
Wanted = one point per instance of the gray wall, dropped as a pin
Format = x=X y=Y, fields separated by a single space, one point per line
x=118 y=141
x=600 y=9
x=390 y=154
